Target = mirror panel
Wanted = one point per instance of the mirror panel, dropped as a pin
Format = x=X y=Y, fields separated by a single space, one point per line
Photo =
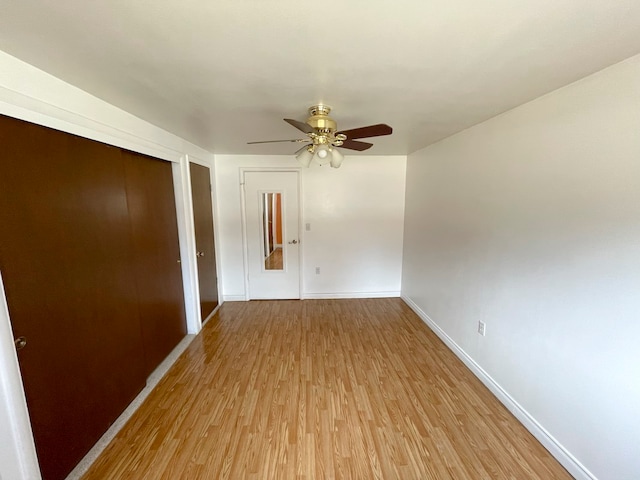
x=272 y=247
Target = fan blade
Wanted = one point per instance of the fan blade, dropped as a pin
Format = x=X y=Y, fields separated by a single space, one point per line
x=278 y=141
x=371 y=131
x=303 y=127
x=355 y=145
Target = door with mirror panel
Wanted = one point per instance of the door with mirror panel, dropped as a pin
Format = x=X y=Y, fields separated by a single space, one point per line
x=273 y=247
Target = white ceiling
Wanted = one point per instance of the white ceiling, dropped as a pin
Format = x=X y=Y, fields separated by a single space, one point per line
x=222 y=73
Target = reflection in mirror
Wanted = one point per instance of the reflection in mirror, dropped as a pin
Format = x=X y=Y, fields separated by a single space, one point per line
x=272 y=228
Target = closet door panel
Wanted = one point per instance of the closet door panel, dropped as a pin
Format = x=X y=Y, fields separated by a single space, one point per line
x=65 y=256
x=205 y=246
x=154 y=228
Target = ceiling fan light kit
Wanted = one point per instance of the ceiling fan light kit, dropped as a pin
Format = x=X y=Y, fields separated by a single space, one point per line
x=305 y=155
x=323 y=136
x=336 y=157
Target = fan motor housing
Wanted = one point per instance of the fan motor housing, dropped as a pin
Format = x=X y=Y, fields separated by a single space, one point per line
x=320 y=119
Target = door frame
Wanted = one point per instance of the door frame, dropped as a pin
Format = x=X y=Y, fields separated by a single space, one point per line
x=243 y=214
x=21 y=457
x=186 y=234
x=214 y=213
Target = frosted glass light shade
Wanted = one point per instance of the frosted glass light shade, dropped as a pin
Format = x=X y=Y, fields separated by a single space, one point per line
x=305 y=156
x=322 y=156
x=336 y=157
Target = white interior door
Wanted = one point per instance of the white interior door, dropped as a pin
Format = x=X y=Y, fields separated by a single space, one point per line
x=273 y=241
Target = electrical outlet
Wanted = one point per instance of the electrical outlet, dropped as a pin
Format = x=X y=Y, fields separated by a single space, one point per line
x=308 y=227
x=317 y=270
x=482 y=328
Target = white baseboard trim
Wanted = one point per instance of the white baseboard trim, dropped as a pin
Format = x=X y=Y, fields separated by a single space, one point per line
x=310 y=295
x=209 y=317
x=568 y=461
x=234 y=298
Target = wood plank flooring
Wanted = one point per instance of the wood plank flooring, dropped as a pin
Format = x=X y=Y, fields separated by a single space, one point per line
x=322 y=389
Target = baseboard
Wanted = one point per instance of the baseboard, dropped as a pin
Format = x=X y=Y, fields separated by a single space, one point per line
x=317 y=296
x=566 y=459
x=234 y=298
x=311 y=295
x=209 y=317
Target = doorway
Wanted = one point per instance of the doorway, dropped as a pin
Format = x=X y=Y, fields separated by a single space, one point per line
x=272 y=209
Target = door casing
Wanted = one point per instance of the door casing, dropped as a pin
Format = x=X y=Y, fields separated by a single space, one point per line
x=245 y=240
x=204 y=230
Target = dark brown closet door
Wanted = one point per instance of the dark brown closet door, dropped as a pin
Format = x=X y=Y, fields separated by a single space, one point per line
x=65 y=256
x=205 y=250
x=154 y=228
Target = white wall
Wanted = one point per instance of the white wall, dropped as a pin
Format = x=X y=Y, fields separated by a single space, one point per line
x=356 y=217
x=530 y=222
x=35 y=96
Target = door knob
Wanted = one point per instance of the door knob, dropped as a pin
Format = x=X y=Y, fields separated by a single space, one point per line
x=199 y=254
x=20 y=343
x=293 y=242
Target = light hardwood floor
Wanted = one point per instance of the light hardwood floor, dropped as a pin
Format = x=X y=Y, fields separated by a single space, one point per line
x=322 y=389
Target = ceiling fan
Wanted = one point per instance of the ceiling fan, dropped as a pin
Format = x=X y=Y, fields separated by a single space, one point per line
x=323 y=136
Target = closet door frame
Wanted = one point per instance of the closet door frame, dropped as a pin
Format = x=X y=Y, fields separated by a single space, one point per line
x=205 y=232
x=37 y=97
x=19 y=446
